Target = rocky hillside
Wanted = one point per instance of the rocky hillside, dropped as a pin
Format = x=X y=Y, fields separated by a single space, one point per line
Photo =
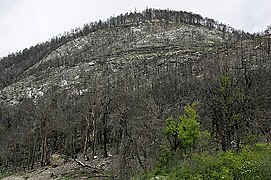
x=109 y=86
x=115 y=48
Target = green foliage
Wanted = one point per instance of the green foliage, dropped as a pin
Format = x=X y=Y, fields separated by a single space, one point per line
x=171 y=127
x=183 y=133
x=225 y=84
x=252 y=163
x=185 y=130
x=251 y=138
x=188 y=127
x=165 y=160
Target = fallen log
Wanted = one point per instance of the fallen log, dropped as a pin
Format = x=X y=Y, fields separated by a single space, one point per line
x=87 y=166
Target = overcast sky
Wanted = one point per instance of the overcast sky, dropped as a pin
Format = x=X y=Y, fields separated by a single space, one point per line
x=24 y=23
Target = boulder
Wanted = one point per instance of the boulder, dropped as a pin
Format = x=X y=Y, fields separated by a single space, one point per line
x=56 y=160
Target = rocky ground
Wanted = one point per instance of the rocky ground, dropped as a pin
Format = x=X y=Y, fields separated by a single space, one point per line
x=99 y=168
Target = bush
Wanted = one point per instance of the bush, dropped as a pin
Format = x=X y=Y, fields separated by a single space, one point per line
x=252 y=163
x=184 y=132
x=164 y=162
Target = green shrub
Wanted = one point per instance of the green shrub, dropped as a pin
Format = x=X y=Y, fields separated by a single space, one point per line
x=252 y=163
x=184 y=132
x=164 y=162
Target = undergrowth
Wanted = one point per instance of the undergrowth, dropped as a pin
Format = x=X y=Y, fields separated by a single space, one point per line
x=253 y=162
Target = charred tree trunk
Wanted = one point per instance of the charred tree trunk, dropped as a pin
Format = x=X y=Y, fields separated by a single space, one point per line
x=44 y=138
x=29 y=154
x=92 y=136
x=44 y=150
x=105 y=105
x=86 y=139
x=33 y=155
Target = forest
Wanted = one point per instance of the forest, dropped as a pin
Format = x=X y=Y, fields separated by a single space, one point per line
x=161 y=108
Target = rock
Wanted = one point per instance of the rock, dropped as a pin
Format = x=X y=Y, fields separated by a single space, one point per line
x=56 y=160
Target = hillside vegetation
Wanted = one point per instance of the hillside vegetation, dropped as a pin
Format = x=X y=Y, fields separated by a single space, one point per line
x=109 y=90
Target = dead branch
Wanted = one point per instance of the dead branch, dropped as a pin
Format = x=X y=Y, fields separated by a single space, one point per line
x=86 y=165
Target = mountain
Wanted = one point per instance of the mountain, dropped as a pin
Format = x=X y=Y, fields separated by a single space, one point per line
x=107 y=88
x=114 y=47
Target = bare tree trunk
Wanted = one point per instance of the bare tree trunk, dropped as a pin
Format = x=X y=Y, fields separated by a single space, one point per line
x=93 y=136
x=45 y=149
x=33 y=154
x=119 y=137
x=41 y=156
x=29 y=154
x=86 y=140
x=104 y=120
x=105 y=136
x=223 y=143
